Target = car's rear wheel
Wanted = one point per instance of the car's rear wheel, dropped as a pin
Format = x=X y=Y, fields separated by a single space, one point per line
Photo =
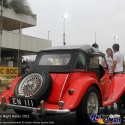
x=89 y=105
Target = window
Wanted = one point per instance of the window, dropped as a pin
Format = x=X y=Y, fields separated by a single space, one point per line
x=81 y=62
x=55 y=59
x=94 y=62
x=102 y=65
x=102 y=62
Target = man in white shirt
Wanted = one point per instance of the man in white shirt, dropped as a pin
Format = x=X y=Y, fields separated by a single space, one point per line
x=118 y=60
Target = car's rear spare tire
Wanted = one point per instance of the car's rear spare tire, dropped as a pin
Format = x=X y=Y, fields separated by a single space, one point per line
x=36 y=84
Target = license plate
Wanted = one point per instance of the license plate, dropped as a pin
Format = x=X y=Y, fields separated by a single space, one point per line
x=23 y=102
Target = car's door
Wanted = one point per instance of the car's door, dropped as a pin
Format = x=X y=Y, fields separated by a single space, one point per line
x=104 y=78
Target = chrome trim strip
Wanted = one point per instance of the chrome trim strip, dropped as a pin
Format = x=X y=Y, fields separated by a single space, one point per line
x=63 y=87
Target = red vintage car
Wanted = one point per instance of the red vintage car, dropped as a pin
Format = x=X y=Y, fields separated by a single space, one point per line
x=62 y=80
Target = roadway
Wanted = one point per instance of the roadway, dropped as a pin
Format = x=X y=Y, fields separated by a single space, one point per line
x=69 y=119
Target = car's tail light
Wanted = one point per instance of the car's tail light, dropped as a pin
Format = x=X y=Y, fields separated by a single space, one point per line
x=71 y=91
x=8 y=87
x=60 y=104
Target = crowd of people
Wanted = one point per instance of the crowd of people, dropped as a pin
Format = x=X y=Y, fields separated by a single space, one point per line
x=114 y=59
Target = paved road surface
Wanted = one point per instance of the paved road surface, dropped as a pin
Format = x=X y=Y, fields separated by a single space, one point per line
x=69 y=119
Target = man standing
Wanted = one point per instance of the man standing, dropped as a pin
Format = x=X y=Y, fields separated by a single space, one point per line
x=118 y=60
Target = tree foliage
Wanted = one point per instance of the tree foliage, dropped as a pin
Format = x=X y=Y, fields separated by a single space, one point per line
x=19 y=6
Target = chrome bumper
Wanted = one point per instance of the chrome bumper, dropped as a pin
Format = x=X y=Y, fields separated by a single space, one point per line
x=42 y=110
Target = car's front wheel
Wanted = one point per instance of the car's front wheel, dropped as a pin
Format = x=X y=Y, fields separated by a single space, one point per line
x=89 y=105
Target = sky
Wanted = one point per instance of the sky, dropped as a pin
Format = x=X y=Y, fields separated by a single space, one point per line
x=106 y=17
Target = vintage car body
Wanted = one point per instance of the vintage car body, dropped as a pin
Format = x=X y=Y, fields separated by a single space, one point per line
x=83 y=84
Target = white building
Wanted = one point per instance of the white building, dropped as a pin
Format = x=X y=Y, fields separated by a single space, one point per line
x=14 y=43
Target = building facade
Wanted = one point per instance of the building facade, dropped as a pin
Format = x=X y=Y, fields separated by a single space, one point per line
x=13 y=44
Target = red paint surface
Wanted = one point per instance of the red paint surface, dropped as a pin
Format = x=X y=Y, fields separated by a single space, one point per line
x=110 y=89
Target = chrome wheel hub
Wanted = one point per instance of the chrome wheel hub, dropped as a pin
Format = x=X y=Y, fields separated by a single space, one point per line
x=92 y=104
x=30 y=85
